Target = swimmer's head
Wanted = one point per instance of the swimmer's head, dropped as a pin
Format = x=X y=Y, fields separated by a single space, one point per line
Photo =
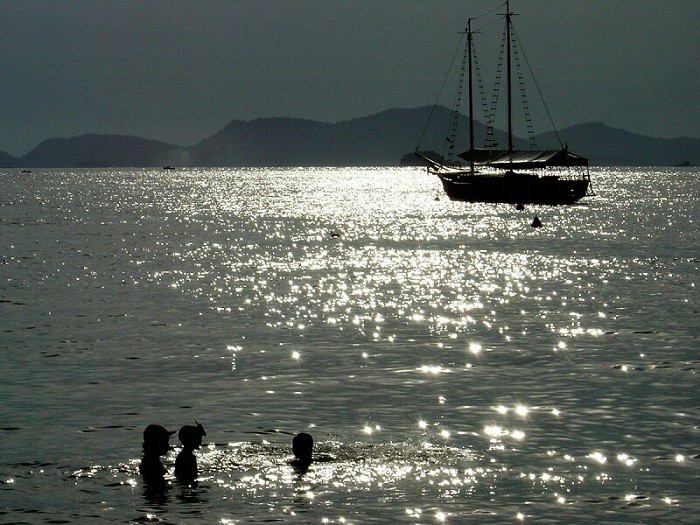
x=191 y=436
x=156 y=440
x=302 y=446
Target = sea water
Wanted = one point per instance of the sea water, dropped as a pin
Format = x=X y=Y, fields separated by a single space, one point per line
x=452 y=363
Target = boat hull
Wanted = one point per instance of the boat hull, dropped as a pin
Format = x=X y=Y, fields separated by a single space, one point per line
x=514 y=188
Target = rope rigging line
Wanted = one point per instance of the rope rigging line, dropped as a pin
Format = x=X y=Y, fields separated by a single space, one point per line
x=480 y=83
x=494 y=10
x=526 y=107
x=452 y=133
x=439 y=96
x=491 y=119
x=489 y=116
x=539 y=91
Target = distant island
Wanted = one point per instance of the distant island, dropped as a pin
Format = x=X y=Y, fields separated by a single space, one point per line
x=383 y=139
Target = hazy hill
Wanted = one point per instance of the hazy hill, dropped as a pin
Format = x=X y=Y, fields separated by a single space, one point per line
x=7 y=160
x=100 y=151
x=617 y=147
x=374 y=140
x=266 y=142
x=380 y=139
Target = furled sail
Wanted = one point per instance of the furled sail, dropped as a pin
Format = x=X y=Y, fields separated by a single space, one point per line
x=523 y=159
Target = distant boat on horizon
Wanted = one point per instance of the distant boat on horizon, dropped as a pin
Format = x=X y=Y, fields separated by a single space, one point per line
x=506 y=175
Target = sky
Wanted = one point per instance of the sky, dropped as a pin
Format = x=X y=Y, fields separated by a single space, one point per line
x=180 y=70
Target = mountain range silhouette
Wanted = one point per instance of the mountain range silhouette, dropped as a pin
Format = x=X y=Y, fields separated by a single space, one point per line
x=382 y=139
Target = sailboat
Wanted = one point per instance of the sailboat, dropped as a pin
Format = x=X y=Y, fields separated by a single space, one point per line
x=509 y=175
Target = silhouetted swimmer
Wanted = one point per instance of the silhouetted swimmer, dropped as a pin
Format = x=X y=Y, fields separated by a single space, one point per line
x=302 y=447
x=186 y=462
x=156 y=443
x=536 y=222
x=520 y=207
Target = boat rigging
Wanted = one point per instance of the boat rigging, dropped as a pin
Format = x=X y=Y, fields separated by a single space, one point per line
x=496 y=175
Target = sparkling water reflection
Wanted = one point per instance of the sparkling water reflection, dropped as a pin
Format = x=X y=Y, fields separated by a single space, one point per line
x=452 y=363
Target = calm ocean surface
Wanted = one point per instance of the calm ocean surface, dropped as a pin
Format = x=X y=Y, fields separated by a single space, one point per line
x=453 y=364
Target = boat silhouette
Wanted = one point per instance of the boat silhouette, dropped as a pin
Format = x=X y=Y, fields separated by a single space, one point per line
x=515 y=176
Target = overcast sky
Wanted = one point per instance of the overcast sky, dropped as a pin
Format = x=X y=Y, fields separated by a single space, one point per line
x=180 y=70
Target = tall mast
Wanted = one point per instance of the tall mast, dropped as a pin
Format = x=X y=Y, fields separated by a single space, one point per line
x=471 y=96
x=510 y=108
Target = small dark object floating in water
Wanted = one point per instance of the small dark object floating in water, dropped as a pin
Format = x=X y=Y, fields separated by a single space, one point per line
x=168 y=167
x=335 y=235
x=536 y=222
x=520 y=207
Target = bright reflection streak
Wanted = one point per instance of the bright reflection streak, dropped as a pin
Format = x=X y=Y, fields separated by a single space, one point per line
x=680 y=458
x=501 y=409
x=441 y=516
x=296 y=355
x=474 y=348
x=369 y=430
x=435 y=370
x=521 y=410
x=626 y=459
x=423 y=424
x=494 y=431
x=599 y=457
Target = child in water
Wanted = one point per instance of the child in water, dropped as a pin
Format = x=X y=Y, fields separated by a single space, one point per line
x=156 y=443
x=186 y=462
x=302 y=447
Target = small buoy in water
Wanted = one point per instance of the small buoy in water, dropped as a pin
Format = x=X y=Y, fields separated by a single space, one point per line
x=536 y=222
x=520 y=207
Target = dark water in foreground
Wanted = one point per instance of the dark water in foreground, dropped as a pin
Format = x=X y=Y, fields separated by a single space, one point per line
x=453 y=363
